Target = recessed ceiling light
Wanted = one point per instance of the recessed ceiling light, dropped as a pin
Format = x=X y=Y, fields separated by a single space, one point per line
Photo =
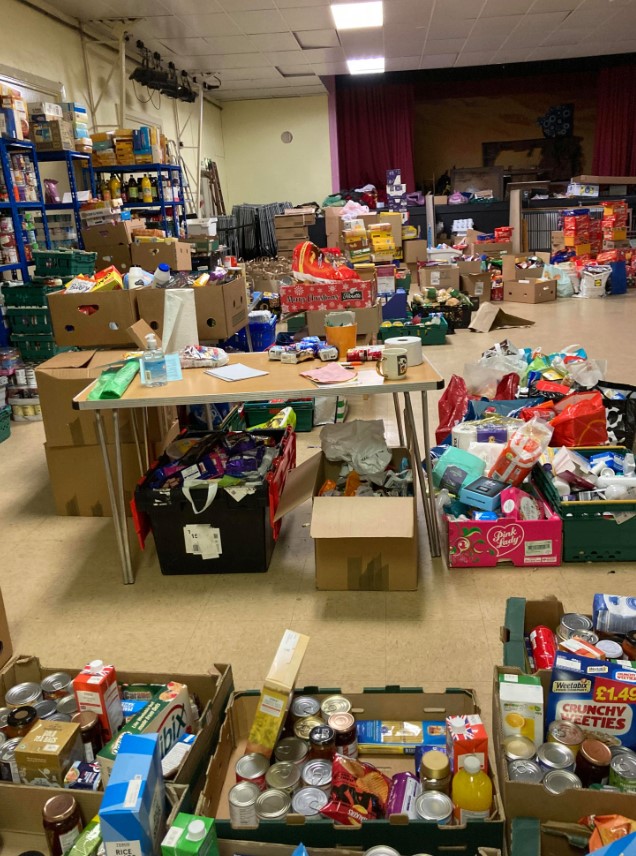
x=354 y=16
x=370 y=65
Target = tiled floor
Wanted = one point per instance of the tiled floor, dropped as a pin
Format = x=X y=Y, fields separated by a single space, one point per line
x=61 y=581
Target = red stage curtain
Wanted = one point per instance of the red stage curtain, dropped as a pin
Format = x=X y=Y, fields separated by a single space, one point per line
x=375 y=133
x=615 y=137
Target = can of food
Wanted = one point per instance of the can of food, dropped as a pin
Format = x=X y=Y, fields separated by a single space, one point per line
x=292 y=749
x=67 y=705
x=28 y=693
x=566 y=733
x=573 y=622
x=3 y=738
x=405 y=789
x=434 y=807
x=4 y=716
x=317 y=774
x=45 y=709
x=558 y=781
x=525 y=771
x=555 y=756
x=273 y=804
x=611 y=649
x=252 y=768
x=322 y=742
x=543 y=647
x=344 y=725
x=622 y=772
x=309 y=801
x=60 y=717
x=517 y=747
x=304 y=706
x=242 y=800
x=283 y=776
x=335 y=704
x=302 y=727
x=588 y=636
x=57 y=685
x=8 y=767
x=20 y=373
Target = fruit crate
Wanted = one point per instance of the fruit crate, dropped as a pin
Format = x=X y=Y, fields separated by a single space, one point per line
x=33 y=293
x=429 y=333
x=63 y=262
x=32 y=319
x=5 y=423
x=36 y=347
x=257 y=412
x=590 y=530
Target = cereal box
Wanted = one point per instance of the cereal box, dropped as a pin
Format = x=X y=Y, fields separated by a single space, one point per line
x=466 y=735
x=600 y=697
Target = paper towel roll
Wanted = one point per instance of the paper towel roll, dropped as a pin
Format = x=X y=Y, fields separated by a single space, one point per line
x=464 y=434
x=413 y=345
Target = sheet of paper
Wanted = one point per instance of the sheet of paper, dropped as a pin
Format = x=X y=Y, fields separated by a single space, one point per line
x=236 y=371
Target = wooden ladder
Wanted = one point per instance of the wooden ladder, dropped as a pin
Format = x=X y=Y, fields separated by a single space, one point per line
x=211 y=172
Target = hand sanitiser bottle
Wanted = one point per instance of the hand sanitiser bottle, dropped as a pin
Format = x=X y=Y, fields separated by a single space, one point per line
x=154 y=360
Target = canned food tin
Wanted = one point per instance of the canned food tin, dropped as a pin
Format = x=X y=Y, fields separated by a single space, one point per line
x=622 y=772
x=525 y=771
x=8 y=767
x=555 y=756
x=558 y=781
x=242 y=800
x=46 y=708
x=252 y=768
x=4 y=715
x=566 y=733
x=543 y=647
x=273 y=804
x=588 y=636
x=517 y=747
x=283 y=776
x=335 y=704
x=28 y=693
x=434 y=807
x=302 y=728
x=292 y=749
x=611 y=649
x=3 y=738
x=67 y=705
x=304 y=706
x=573 y=622
x=59 y=717
x=383 y=850
x=309 y=801
x=59 y=684
x=405 y=788
x=317 y=774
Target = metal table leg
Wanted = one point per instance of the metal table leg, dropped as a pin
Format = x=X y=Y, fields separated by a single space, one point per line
x=417 y=468
x=429 y=472
x=398 y=417
x=119 y=535
x=120 y=508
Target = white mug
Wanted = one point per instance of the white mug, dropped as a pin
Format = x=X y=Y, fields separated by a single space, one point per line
x=394 y=361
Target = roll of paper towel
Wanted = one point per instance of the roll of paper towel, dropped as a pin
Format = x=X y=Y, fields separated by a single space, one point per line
x=413 y=345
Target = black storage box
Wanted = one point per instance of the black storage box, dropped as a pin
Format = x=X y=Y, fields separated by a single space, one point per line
x=246 y=532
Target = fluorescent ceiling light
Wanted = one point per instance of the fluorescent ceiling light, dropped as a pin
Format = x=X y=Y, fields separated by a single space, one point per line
x=371 y=65
x=357 y=16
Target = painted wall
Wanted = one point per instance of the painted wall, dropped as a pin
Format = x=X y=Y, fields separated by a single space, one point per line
x=260 y=167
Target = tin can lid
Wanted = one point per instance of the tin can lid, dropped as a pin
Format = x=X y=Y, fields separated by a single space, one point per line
x=283 y=775
x=305 y=706
x=381 y=850
x=517 y=746
x=611 y=649
x=272 y=803
x=433 y=805
x=322 y=735
x=566 y=732
x=524 y=770
x=335 y=704
x=8 y=748
x=22 y=694
x=574 y=621
x=309 y=801
x=244 y=794
x=304 y=726
x=596 y=752
x=45 y=708
x=341 y=721
x=317 y=772
x=249 y=766
x=624 y=764
x=434 y=765
x=55 y=682
x=555 y=755
x=557 y=781
x=68 y=704
x=291 y=749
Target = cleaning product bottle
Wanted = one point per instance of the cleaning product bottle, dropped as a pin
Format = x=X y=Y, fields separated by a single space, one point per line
x=146 y=189
x=137 y=277
x=133 y=189
x=471 y=791
x=162 y=275
x=115 y=187
x=154 y=362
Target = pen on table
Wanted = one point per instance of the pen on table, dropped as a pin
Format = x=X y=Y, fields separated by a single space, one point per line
x=350 y=365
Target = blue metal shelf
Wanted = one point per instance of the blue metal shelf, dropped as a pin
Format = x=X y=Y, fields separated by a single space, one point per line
x=60 y=206
x=140 y=167
x=157 y=204
x=16 y=266
x=71 y=159
x=25 y=206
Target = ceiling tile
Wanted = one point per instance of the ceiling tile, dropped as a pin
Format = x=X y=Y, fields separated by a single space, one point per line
x=249 y=73
x=267 y=21
x=245 y=5
x=405 y=63
x=360 y=43
x=257 y=83
x=317 y=39
x=553 y=6
x=141 y=9
x=539 y=25
x=230 y=44
x=191 y=47
x=211 y=25
x=602 y=4
x=274 y=42
x=292 y=70
x=447 y=28
x=444 y=60
x=216 y=62
x=470 y=58
x=586 y=18
x=84 y=11
x=566 y=37
x=307 y=18
x=494 y=8
x=297 y=57
x=324 y=55
x=195 y=7
x=507 y=55
x=404 y=42
x=439 y=46
x=294 y=4
x=502 y=25
x=325 y=68
x=458 y=9
x=414 y=12
x=165 y=27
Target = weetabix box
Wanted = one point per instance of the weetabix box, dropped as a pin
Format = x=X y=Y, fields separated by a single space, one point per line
x=301 y=296
x=45 y=754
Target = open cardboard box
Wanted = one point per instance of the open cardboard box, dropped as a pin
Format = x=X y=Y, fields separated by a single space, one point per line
x=406 y=836
x=511 y=272
x=530 y=290
x=212 y=690
x=522 y=616
x=94 y=318
x=361 y=543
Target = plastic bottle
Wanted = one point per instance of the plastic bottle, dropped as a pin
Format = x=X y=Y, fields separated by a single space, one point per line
x=162 y=275
x=137 y=278
x=133 y=189
x=471 y=791
x=146 y=189
x=115 y=187
x=154 y=192
x=105 y=190
x=154 y=362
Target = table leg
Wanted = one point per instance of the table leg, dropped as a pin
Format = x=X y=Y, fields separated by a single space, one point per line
x=429 y=472
x=133 y=419
x=398 y=417
x=120 y=509
x=146 y=446
x=417 y=469
x=111 y=492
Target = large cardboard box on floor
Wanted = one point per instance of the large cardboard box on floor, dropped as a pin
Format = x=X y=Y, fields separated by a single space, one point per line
x=531 y=291
x=476 y=247
x=110 y=234
x=177 y=254
x=6 y=646
x=94 y=318
x=360 y=543
x=477 y=285
x=439 y=276
x=511 y=272
x=367 y=319
x=414 y=251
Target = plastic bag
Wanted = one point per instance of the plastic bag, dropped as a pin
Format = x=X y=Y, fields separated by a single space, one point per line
x=359 y=444
x=482 y=380
x=619 y=400
x=579 y=420
x=452 y=407
x=507 y=387
x=521 y=452
x=593 y=280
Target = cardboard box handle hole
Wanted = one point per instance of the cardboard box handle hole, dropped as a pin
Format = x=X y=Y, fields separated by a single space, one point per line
x=211 y=322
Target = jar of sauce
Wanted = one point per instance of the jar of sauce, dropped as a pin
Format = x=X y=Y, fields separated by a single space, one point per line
x=344 y=725
x=90 y=732
x=322 y=742
x=593 y=763
x=62 y=823
x=629 y=645
x=21 y=720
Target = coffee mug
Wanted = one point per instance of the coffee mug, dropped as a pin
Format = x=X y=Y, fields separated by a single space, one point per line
x=394 y=361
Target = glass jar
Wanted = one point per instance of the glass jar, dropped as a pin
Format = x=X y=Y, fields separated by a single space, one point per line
x=435 y=774
x=344 y=725
x=62 y=823
x=593 y=763
x=21 y=720
x=322 y=742
x=90 y=732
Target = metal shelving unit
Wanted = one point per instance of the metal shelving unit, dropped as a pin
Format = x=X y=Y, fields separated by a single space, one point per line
x=72 y=159
x=157 y=169
x=7 y=148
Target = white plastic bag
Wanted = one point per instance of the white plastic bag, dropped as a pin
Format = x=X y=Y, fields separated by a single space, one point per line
x=593 y=280
x=360 y=444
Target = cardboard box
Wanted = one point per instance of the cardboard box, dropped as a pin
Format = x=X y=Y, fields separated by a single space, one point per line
x=368 y=321
x=575 y=188
x=368 y=544
x=221 y=309
x=395 y=219
x=289 y=244
x=177 y=254
x=521 y=617
x=488 y=249
x=557 y=240
x=48 y=107
x=468 y=267
x=414 y=251
x=511 y=272
x=111 y=314
x=297 y=233
x=301 y=296
x=117 y=255
x=54 y=135
x=44 y=755
x=274 y=699
x=531 y=291
x=292 y=221
x=110 y=234
x=477 y=285
x=438 y=276
x=6 y=645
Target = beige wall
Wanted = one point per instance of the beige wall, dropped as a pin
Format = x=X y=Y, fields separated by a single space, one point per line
x=260 y=167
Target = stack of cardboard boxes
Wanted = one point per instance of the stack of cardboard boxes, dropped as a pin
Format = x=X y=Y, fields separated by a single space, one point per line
x=14 y=122
x=614 y=225
x=77 y=116
x=49 y=130
x=113 y=243
x=292 y=229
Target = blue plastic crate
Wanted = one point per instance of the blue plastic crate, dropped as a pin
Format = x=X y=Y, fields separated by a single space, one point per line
x=263 y=336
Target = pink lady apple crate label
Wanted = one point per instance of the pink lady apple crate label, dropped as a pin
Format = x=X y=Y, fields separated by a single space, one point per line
x=485 y=543
x=600 y=697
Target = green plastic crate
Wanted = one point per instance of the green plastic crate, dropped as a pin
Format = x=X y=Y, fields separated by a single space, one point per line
x=30 y=294
x=590 y=532
x=63 y=262
x=295 y=323
x=257 y=412
x=5 y=423
x=430 y=334
x=37 y=347
x=32 y=319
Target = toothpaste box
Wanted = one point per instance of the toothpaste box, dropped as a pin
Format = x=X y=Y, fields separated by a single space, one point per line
x=132 y=814
x=521 y=703
x=466 y=735
x=190 y=836
x=614 y=614
x=388 y=737
x=168 y=714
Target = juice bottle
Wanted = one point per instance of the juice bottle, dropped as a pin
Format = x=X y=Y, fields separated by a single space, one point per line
x=471 y=791
x=146 y=189
x=115 y=187
x=105 y=190
x=133 y=189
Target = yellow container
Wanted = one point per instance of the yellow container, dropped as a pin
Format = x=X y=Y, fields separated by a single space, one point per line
x=342 y=338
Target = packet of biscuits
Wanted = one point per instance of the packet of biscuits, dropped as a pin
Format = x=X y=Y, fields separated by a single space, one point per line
x=359 y=791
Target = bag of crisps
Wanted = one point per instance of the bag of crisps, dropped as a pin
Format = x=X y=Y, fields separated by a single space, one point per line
x=359 y=792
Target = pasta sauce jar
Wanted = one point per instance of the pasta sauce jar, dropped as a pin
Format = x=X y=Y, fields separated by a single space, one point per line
x=344 y=725
x=62 y=823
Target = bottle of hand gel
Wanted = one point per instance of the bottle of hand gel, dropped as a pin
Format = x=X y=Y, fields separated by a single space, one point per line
x=154 y=363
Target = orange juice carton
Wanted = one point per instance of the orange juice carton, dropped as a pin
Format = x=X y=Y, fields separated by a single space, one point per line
x=466 y=735
x=521 y=702
x=96 y=690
